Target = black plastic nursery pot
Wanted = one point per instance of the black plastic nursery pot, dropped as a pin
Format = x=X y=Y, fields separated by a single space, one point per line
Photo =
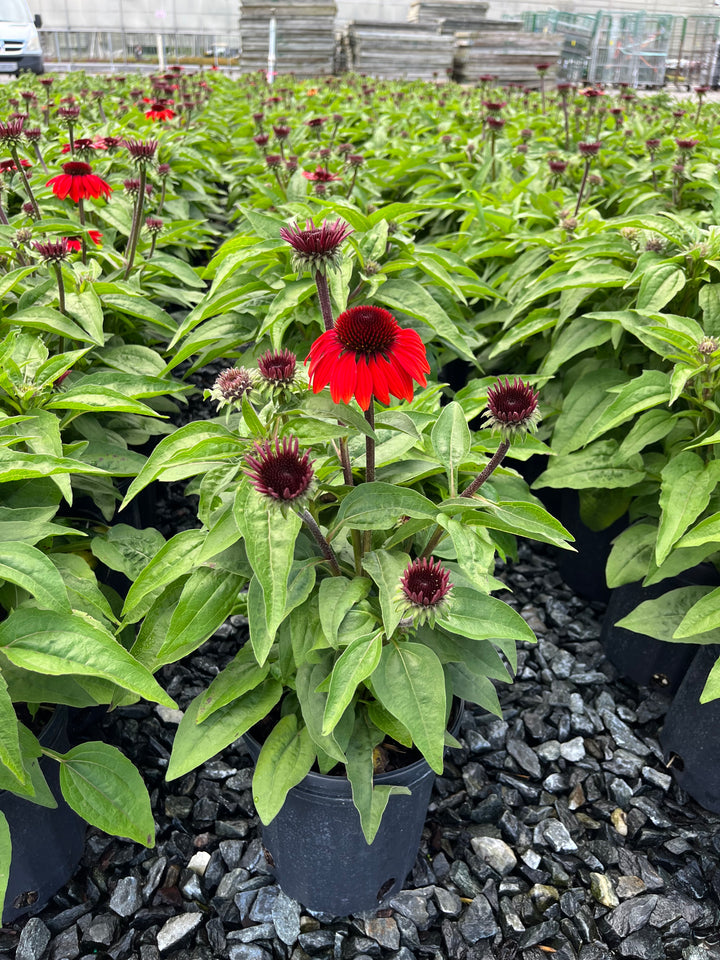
x=650 y=662
x=584 y=571
x=689 y=737
x=46 y=843
x=316 y=845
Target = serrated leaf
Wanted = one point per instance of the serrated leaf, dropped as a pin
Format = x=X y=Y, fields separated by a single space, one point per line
x=31 y=569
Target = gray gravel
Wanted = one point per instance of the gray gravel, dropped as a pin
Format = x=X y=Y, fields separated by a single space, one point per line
x=555 y=832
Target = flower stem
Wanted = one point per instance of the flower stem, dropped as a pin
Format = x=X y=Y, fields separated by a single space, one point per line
x=582 y=186
x=345 y=460
x=567 y=123
x=137 y=217
x=3 y=216
x=470 y=491
x=101 y=111
x=370 y=446
x=324 y=298
x=41 y=159
x=162 y=197
x=327 y=550
x=83 y=239
x=26 y=182
x=352 y=183
x=61 y=287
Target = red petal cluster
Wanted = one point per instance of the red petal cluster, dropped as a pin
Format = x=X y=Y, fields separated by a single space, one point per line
x=365 y=355
x=78 y=182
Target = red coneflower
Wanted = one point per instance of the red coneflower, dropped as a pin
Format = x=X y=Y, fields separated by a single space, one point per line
x=367 y=354
x=424 y=589
x=494 y=106
x=75 y=243
x=589 y=149
x=316 y=248
x=320 y=175
x=8 y=166
x=687 y=145
x=153 y=225
x=512 y=408
x=278 y=471
x=557 y=166
x=79 y=182
x=160 y=110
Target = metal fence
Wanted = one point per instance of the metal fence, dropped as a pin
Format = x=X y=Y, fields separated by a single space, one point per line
x=122 y=50
x=637 y=48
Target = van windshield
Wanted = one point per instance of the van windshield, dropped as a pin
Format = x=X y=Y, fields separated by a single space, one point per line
x=13 y=11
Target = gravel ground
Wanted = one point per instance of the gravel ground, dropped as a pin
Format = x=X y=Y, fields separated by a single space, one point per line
x=556 y=831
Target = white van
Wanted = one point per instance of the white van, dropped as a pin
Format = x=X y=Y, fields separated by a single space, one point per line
x=19 y=41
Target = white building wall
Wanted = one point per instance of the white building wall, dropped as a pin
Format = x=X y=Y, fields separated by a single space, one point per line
x=203 y=16
x=218 y=16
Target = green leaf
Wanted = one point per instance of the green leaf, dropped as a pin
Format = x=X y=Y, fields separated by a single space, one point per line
x=707 y=531
x=686 y=485
x=127 y=549
x=473 y=687
x=648 y=428
x=481 y=617
x=370 y=800
x=59 y=644
x=5 y=859
x=31 y=569
x=104 y=787
x=386 y=569
x=410 y=684
x=270 y=543
x=450 y=437
x=207 y=600
x=10 y=753
x=659 y=284
x=135 y=305
x=355 y=664
x=375 y=506
x=586 y=401
x=51 y=321
x=524 y=519
x=701 y=623
x=309 y=682
x=599 y=465
x=174 y=559
x=175 y=446
x=661 y=618
x=285 y=759
x=474 y=550
x=197 y=742
x=292 y=294
x=239 y=677
x=85 y=307
x=337 y=596
x=409 y=297
x=88 y=397
x=631 y=554
x=650 y=389
x=582 y=334
x=711 y=690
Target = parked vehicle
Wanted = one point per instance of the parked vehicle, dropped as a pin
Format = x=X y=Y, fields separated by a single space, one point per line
x=19 y=40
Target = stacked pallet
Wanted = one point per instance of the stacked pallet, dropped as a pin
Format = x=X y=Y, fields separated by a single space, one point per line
x=305 y=32
x=410 y=51
x=450 y=15
x=510 y=55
